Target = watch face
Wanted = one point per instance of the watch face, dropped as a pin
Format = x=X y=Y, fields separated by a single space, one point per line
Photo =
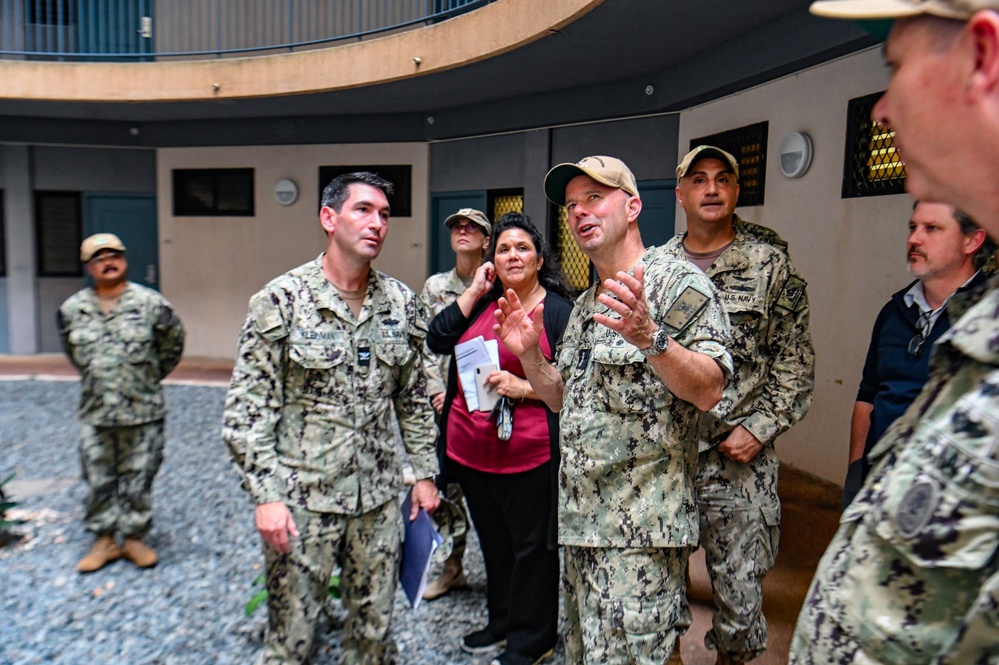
x=661 y=341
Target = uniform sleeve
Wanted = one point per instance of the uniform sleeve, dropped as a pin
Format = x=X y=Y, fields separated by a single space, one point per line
x=694 y=316
x=169 y=336
x=63 y=325
x=412 y=403
x=787 y=392
x=254 y=400
x=432 y=364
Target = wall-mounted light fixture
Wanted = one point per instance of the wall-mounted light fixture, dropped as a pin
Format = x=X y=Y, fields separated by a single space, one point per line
x=795 y=154
x=286 y=192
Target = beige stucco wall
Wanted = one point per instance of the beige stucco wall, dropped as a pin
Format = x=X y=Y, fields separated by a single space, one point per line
x=210 y=266
x=851 y=251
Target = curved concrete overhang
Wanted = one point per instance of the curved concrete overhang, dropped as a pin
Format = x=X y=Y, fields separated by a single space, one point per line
x=497 y=28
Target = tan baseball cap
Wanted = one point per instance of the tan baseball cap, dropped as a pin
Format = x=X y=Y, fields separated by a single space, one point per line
x=97 y=242
x=608 y=171
x=703 y=152
x=864 y=10
x=472 y=215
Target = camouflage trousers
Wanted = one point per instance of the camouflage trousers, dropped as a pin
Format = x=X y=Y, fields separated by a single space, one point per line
x=457 y=497
x=118 y=465
x=368 y=547
x=739 y=515
x=624 y=605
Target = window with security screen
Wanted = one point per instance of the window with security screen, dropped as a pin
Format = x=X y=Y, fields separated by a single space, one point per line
x=58 y=233
x=872 y=166
x=575 y=264
x=749 y=146
x=502 y=201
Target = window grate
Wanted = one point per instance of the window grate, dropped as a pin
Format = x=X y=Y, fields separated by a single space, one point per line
x=872 y=166
x=748 y=145
x=504 y=201
x=575 y=264
x=400 y=175
x=59 y=227
x=213 y=193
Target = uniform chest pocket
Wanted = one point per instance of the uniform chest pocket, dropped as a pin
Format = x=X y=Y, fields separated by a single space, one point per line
x=393 y=353
x=940 y=506
x=622 y=374
x=317 y=364
x=138 y=343
x=746 y=320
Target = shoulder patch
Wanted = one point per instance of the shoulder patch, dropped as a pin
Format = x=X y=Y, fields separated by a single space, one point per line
x=267 y=317
x=790 y=296
x=684 y=309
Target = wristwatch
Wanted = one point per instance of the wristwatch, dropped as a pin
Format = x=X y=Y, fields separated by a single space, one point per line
x=660 y=340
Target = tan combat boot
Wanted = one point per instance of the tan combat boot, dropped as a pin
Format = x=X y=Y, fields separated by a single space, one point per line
x=103 y=552
x=139 y=553
x=452 y=577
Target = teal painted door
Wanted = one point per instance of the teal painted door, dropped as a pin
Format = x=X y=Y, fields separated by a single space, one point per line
x=658 y=219
x=131 y=217
x=114 y=26
x=441 y=206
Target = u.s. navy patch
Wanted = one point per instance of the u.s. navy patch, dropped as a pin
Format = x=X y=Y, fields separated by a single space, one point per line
x=684 y=310
x=916 y=507
x=266 y=315
x=790 y=295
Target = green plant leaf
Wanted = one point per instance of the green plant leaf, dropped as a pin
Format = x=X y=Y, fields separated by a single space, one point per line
x=334 y=588
x=255 y=602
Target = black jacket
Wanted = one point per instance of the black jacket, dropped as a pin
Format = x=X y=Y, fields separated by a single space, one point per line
x=446 y=329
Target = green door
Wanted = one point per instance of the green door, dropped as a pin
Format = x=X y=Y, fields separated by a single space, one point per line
x=131 y=217
x=441 y=207
x=658 y=219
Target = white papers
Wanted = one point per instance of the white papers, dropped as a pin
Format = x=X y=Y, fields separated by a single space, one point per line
x=469 y=355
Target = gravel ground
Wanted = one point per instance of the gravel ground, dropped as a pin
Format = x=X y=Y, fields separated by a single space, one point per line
x=189 y=609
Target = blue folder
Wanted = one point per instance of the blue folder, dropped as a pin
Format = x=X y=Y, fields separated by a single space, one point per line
x=421 y=540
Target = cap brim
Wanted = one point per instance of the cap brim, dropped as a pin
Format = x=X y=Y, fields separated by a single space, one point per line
x=862 y=10
x=557 y=180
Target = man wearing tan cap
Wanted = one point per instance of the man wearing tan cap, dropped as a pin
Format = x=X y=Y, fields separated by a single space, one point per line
x=912 y=575
x=470 y=231
x=123 y=338
x=767 y=306
x=643 y=353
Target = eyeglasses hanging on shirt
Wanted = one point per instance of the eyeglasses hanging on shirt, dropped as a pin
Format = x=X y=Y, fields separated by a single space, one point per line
x=923 y=326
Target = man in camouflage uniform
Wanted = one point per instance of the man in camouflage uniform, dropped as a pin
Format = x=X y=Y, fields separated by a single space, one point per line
x=643 y=354
x=123 y=338
x=912 y=575
x=330 y=353
x=470 y=230
x=767 y=306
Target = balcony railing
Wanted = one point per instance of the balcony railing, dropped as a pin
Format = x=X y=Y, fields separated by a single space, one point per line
x=143 y=30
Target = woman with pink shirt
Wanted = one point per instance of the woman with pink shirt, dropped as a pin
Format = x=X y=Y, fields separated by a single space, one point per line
x=509 y=484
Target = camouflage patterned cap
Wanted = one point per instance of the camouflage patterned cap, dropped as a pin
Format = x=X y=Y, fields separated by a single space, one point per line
x=608 y=171
x=97 y=242
x=703 y=152
x=866 y=10
x=471 y=214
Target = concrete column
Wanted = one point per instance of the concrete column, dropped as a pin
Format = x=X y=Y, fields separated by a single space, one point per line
x=537 y=157
x=17 y=166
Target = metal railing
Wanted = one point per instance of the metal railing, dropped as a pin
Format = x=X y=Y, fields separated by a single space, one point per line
x=142 y=30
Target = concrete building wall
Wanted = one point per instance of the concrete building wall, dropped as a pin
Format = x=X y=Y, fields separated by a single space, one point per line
x=851 y=251
x=212 y=265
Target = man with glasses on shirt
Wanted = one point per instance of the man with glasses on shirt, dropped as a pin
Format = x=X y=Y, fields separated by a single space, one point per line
x=945 y=253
